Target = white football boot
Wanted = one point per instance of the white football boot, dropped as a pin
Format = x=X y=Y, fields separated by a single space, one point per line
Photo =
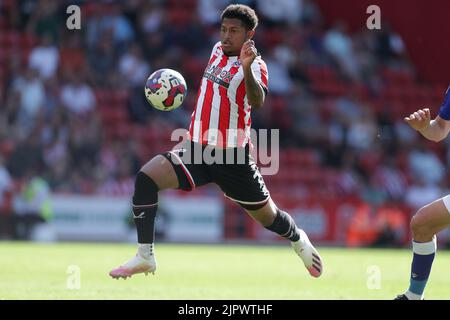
x=309 y=255
x=143 y=262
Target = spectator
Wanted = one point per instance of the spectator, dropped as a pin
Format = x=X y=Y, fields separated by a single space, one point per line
x=389 y=45
x=311 y=13
x=26 y=155
x=6 y=212
x=151 y=17
x=77 y=96
x=45 y=18
x=348 y=181
x=133 y=67
x=280 y=81
x=31 y=95
x=121 y=183
x=122 y=30
x=45 y=58
x=390 y=179
x=279 y=12
x=362 y=132
x=32 y=206
x=426 y=166
x=209 y=10
x=340 y=46
x=84 y=143
x=421 y=192
x=102 y=58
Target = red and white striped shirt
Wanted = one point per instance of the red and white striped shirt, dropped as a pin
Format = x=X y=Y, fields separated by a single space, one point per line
x=222 y=113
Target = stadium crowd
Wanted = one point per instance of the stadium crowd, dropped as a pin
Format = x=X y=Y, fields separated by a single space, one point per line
x=73 y=112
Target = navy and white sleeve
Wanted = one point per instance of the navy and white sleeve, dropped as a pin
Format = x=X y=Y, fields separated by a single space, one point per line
x=444 y=111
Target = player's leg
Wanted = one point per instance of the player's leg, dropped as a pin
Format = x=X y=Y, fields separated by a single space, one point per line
x=157 y=174
x=264 y=213
x=244 y=184
x=280 y=222
x=166 y=171
x=425 y=224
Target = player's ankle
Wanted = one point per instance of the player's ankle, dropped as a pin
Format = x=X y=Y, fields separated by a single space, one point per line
x=302 y=236
x=145 y=250
x=413 y=296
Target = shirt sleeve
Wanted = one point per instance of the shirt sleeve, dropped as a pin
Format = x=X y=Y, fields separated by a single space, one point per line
x=444 y=111
x=259 y=69
x=215 y=50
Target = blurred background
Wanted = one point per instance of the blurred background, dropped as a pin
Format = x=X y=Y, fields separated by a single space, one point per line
x=75 y=126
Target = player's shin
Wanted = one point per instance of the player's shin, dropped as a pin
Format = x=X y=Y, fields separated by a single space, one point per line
x=145 y=201
x=285 y=226
x=145 y=204
x=424 y=253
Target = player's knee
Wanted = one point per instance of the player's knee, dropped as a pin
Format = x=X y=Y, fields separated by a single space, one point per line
x=419 y=224
x=162 y=172
x=145 y=190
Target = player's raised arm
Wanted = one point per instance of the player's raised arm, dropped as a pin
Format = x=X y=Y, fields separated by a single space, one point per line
x=434 y=130
x=255 y=93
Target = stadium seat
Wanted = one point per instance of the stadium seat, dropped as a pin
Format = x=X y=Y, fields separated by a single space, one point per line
x=397 y=77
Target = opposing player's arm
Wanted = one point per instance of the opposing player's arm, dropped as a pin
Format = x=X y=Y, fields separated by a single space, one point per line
x=434 y=130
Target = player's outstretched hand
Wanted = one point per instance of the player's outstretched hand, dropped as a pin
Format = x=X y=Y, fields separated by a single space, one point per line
x=419 y=120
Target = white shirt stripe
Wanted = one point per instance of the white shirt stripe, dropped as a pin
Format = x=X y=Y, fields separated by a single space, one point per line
x=214 y=116
x=234 y=115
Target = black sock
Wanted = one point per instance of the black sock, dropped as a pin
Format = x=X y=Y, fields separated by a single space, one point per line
x=285 y=226
x=145 y=204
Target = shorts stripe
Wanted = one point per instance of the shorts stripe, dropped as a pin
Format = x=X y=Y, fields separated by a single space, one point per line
x=247 y=202
x=185 y=170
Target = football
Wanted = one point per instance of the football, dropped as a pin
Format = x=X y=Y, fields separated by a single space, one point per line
x=165 y=89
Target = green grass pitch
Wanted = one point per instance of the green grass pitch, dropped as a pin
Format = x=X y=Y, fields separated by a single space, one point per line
x=45 y=271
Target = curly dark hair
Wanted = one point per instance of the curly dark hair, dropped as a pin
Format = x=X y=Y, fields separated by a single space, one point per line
x=242 y=12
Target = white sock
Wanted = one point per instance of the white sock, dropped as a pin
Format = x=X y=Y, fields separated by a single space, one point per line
x=413 y=296
x=145 y=250
x=425 y=248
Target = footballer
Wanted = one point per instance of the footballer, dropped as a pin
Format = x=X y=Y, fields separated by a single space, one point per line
x=433 y=217
x=235 y=81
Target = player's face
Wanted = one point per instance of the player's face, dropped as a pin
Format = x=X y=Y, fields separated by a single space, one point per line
x=233 y=34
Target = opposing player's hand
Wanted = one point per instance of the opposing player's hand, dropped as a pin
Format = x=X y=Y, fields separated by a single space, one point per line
x=248 y=53
x=419 y=120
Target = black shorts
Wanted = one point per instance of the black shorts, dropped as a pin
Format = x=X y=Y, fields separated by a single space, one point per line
x=233 y=170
